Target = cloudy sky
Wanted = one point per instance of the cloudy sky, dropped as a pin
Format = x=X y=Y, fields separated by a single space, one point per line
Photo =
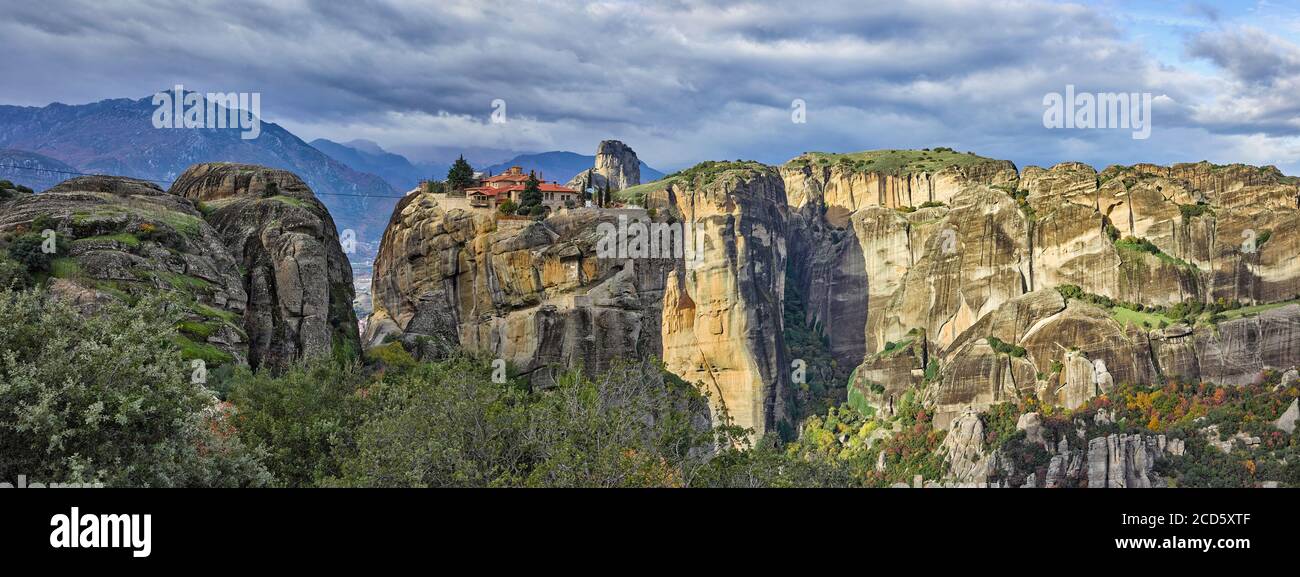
x=685 y=81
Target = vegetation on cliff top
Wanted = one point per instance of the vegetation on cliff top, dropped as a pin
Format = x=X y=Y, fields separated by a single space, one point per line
x=702 y=174
x=896 y=162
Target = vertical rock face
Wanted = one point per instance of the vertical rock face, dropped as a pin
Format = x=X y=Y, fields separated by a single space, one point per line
x=618 y=164
x=1125 y=461
x=950 y=248
x=723 y=311
x=1107 y=461
x=298 y=280
x=534 y=293
x=541 y=295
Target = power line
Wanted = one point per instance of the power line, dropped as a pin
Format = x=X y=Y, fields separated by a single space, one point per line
x=51 y=170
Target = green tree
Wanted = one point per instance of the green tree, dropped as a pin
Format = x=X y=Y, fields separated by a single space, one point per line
x=460 y=176
x=530 y=202
x=28 y=250
x=448 y=424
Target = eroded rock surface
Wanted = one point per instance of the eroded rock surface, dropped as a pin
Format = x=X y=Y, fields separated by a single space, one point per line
x=541 y=295
x=296 y=275
x=896 y=246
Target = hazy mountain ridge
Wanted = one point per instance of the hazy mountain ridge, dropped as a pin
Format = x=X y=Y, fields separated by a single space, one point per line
x=36 y=171
x=117 y=137
x=369 y=157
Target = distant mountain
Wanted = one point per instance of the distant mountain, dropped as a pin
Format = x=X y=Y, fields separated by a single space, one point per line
x=367 y=156
x=35 y=171
x=117 y=137
x=443 y=155
x=561 y=166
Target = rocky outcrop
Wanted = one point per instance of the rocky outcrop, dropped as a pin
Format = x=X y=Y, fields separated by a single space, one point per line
x=284 y=243
x=1287 y=422
x=120 y=238
x=888 y=245
x=964 y=450
x=616 y=167
x=618 y=164
x=534 y=293
x=588 y=180
x=1127 y=461
x=542 y=295
x=722 y=312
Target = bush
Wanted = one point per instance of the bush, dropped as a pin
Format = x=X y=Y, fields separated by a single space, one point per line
x=302 y=418
x=1006 y=348
x=447 y=424
x=13 y=275
x=108 y=399
x=27 y=251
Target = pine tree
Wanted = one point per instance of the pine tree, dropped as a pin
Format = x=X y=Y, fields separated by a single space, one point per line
x=530 y=201
x=460 y=176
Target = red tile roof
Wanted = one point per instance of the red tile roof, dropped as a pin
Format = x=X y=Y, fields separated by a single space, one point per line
x=498 y=191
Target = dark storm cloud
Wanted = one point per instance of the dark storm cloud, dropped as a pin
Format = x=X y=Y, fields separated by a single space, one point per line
x=681 y=80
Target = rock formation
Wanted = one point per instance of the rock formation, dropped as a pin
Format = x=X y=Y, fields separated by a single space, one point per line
x=616 y=166
x=541 y=295
x=937 y=270
x=722 y=317
x=119 y=237
x=297 y=277
x=261 y=277
x=534 y=293
x=1287 y=422
x=617 y=162
x=1073 y=460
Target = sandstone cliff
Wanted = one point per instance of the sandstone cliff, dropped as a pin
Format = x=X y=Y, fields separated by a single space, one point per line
x=950 y=273
x=541 y=295
x=616 y=167
x=617 y=162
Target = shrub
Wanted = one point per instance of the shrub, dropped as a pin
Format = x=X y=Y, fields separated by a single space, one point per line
x=13 y=275
x=27 y=250
x=447 y=424
x=108 y=399
x=302 y=417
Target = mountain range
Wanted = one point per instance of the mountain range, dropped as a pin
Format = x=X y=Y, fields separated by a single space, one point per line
x=117 y=137
x=358 y=181
x=367 y=156
x=404 y=174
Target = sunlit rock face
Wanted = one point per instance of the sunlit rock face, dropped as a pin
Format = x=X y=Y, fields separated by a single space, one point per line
x=956 y=254
x=541 y=295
